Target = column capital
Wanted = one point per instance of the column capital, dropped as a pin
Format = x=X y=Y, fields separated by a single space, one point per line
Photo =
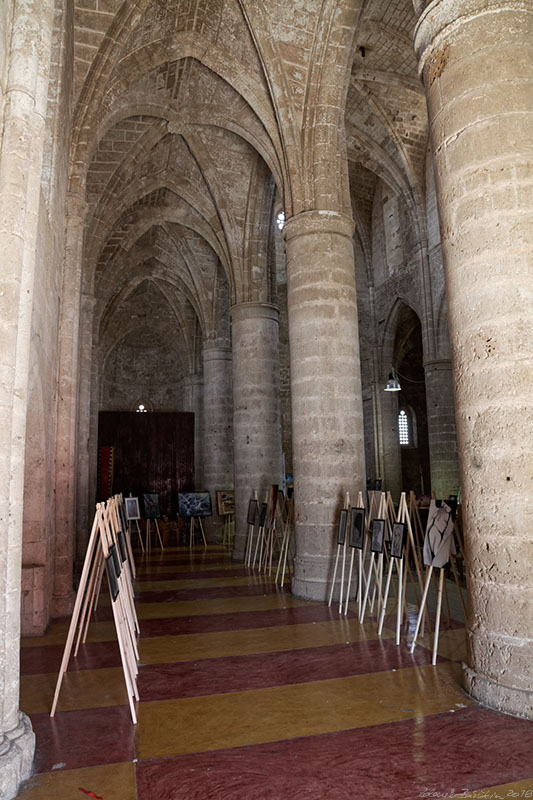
x=308 y=223
x=442 y=17
x=253 y=310
x=214 y=352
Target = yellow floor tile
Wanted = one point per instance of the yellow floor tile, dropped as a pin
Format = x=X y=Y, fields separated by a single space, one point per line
x=85 y=688
x=522 y=790
x=114 y=781
x=231 y=720
x=58 y=631
x=221 y=605
x=190 y=647
x=452 y=643
x=201 y=583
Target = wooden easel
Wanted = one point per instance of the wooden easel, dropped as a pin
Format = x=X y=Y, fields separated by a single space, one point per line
x=260 y=543
x=98 y=551
x=287 y=540
x=251 y=529
x=377 y=569
x=360 y=565
x=191 y=531
x=148 y=534
x=340 y=547
x=228 y=530
x=403 y=517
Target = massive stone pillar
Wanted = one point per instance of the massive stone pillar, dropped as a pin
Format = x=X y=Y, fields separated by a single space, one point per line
x=256 y=407
x=25 y=91
x=67 y=408
x=476 y=59
x=193 y=387
x=217 y=428
x=442 y=434
x=327 y=410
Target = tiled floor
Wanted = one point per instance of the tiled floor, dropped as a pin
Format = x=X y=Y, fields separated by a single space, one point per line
x=247 y=692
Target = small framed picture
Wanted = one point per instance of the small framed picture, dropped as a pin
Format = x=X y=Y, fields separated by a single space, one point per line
x=398 y=539
x=341 y=530
x=377 y=536
x=122 y=546
x=252 y=512
x=194 y=504
x=111 y=577
x=357 y=528
x=116 y=559
x=262 y=515
x=132 y=508
x=151 y=506
x=225 y=502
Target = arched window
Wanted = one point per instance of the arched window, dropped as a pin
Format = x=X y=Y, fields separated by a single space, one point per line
x=403 y=428
x=141 y=408
x=407 y=433
x=280 y=220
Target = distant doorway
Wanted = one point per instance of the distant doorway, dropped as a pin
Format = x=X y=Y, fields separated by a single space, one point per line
x=152 y=452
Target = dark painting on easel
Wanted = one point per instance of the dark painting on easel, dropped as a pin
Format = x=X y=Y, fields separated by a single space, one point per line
x=151 y=506
x=357 y=528
x=111 y=577
x=341 y=530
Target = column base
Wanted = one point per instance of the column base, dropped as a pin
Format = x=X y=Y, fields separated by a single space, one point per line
x=517 y=702
x=312 y=577
x=62 y=605
x=16 y=757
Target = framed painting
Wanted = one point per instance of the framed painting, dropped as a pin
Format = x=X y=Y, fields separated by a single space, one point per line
x=377 y=535
x=151 y=506
x=111 y=577
x=132 y=508
x=122 y=546
x=253 y=508
x=262 y=515
x=356 y=537
x=194 y=504
x=341 y=530
x=398 y=539
x=225 y=502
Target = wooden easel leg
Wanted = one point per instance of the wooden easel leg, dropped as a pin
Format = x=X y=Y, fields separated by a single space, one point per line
x=334 y=575
x=385 y=597
x=421 y=610
x=367 y=589
x=158 y=535
x=139 y=534
x=349 y=582
x=202 y=531
x=437 y=619
x=400 y=600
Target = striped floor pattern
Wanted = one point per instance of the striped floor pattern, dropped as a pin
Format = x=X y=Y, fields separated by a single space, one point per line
x=249 y=693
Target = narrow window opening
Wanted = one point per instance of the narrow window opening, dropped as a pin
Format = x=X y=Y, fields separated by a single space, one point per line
x=403 y=428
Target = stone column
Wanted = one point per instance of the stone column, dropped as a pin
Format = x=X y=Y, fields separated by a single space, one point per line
x=193 y=401
x=327 y=409
x=389 y=403
x=256 y=408
x=476 y=58
x=85 y=508
x=442 y=434
x=67 y=407
x=21 y=153
x=217 y=429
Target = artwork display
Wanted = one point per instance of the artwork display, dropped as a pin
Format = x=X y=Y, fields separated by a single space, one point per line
x=262 y=515
x=122 y=546
x=132 y=508
x=151 y=506
x=113 y=552
x=439 y=543
x=341 y=530
x=377 y=537
x=399 y=532
x=225 y=502
x=357 y=528
x=112 y=577
x=253 y=509
x=194 y=504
